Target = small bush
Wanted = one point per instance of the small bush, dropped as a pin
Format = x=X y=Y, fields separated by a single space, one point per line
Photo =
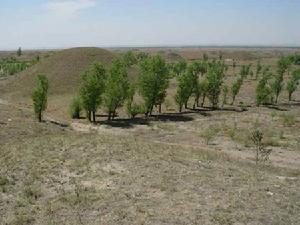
x=32 y=192
x=135 y=109
x=209 y=134
x=75 y=108
x=288 y=120
x=261 y=152
x=243 y=107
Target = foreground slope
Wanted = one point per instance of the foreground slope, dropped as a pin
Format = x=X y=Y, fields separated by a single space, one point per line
x=119 y=179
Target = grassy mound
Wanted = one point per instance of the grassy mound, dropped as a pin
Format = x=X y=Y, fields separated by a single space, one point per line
x=63 y=70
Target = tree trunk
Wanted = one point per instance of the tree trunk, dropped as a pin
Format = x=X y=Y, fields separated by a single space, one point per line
x=290 y=96
x=150 y=111
x=180 y=108
x=114 y=114
x=159 y=108
x=203 y=100
x=88 y=115
x=40 y=117
x=186 y=105
x=109 y=116
x=276 y=99
x=94 y=116
x=195 y=102
x=233 y=100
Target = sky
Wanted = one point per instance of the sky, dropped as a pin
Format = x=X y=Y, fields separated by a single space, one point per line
x=34 y=24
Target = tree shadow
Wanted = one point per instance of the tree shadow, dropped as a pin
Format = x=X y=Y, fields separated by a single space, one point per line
x=276 y=107
x=172 y=117
x=131 y=122
x=292 y=103
x=58 y=123
x=101 y=115
x=125 y=123
x=203 y=110
x=233 y=109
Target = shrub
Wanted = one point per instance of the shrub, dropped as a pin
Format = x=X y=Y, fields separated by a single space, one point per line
x=134 y=110
x=288 y=119
x=209 y=134
x=75 y=108
x=261 y=153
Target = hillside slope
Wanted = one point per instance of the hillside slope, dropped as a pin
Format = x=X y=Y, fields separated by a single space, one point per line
x=62 y=69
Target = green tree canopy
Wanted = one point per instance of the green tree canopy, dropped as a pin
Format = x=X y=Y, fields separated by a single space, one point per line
x=92 y=88
x=116 y=88
x=39 y=96
x=153 y=81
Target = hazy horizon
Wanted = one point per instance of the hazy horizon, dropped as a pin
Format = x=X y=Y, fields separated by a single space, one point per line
x=57 y=24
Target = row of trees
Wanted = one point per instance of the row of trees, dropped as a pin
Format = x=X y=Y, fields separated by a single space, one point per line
x=205 y=79
x=111 y=88
x=11 y=66
x=272 y=84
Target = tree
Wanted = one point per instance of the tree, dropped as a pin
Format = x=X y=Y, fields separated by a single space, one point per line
x=203 y=86
x=235 y=88
x=201 y=67
x=180 y=67
x=129 y=58
x=187 y=85
x=153 y=81
x=75 y=108
x=225 y=90
x=258 y=69
x=19 y=52
x=205 y=57
x=140 y=56
x=92 y=88
x=116 y=88
x=277 y=85
x=245 y=71
x=183 y=90
x=197 y=93
x=215 y=77
x=263 y=89
x=234 y=65
x=132 y=108
x=293 y=83
x=39 y=96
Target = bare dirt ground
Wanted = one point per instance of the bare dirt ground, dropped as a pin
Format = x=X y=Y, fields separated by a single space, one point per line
x=163 y=170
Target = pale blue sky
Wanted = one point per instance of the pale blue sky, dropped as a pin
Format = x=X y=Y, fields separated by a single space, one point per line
x=69 y=23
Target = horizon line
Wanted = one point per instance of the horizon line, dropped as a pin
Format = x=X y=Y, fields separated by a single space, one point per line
x=152 y=46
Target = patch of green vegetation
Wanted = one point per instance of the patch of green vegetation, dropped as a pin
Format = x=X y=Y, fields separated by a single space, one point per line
x=210 y=133
x=11 y=66
x=288 y=120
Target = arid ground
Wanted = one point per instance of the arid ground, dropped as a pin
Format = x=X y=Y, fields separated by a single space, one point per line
x=194 y=167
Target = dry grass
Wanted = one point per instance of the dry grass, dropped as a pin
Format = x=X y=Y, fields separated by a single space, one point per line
x=150 y=172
